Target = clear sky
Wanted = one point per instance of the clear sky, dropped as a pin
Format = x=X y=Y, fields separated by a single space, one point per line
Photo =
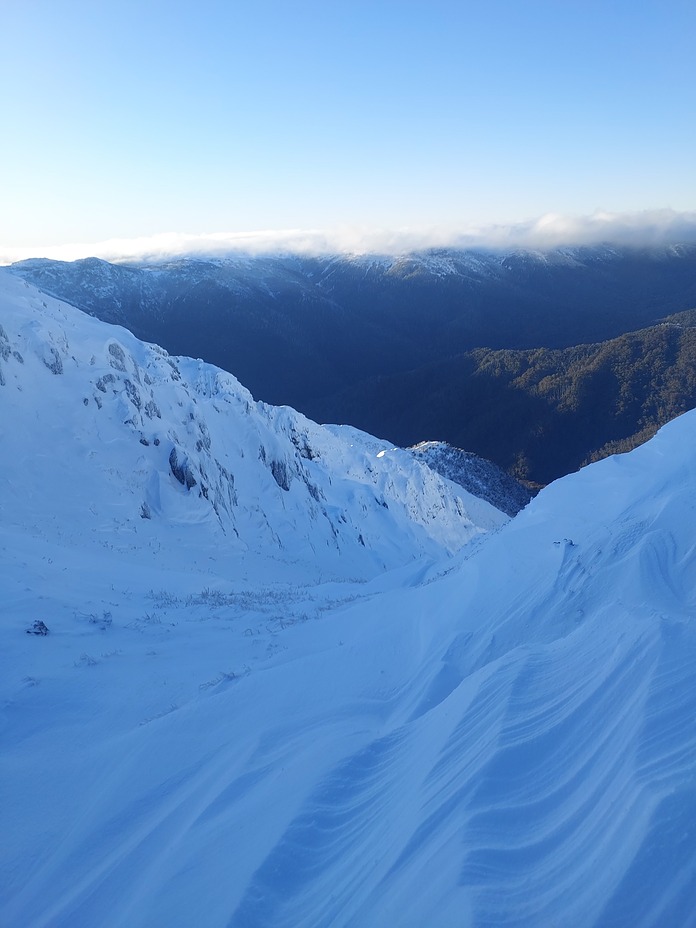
x=132 y=118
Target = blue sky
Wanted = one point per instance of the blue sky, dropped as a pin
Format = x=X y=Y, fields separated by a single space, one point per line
x=130 y=119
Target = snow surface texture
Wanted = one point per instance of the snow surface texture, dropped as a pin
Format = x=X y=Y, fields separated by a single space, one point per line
x=503 y=737
x=475 y=474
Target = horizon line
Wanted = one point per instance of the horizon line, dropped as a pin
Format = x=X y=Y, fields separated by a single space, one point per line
x=551 y=231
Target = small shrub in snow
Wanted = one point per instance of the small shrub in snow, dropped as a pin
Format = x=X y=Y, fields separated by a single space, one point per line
x=86 y=660
x=163 y=598
x=38 y=628
x=214 y=597
x=103 y=622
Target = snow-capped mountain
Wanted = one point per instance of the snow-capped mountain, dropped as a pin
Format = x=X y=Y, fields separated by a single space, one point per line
x=206 y=726
x=175 y=441
x=464 y=299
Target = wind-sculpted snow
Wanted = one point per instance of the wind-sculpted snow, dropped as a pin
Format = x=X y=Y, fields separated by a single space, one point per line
x=506 y=737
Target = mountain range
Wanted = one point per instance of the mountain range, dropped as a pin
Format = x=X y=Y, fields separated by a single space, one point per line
x=260 y=672
x=395 y=346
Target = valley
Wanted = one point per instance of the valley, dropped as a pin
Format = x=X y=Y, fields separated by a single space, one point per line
x=521 y=357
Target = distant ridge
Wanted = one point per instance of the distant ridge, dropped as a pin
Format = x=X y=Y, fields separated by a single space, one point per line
x=404 y=347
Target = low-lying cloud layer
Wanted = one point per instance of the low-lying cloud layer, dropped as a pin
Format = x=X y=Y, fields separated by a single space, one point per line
x=654 y=227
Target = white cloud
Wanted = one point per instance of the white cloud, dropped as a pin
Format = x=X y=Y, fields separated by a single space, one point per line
x=650 y=227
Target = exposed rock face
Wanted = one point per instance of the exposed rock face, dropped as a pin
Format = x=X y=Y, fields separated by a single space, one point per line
x=182 y=469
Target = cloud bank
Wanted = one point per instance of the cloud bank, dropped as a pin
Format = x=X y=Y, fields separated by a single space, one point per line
x=651 y=227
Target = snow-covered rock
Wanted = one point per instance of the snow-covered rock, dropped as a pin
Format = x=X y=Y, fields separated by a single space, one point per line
x=478 y=476
x=119 y=442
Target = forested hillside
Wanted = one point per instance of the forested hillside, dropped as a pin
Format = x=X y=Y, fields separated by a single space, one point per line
x=542 y=412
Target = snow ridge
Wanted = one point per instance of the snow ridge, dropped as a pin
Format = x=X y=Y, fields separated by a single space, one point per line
x=182 y=442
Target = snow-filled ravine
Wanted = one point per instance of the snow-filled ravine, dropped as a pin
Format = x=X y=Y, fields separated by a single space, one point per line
x=333 y=689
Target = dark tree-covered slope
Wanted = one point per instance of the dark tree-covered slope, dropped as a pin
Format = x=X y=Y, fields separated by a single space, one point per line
x=542 y=412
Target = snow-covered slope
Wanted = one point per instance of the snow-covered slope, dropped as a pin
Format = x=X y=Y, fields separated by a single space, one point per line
x=477 y=475
x=506 y=737
x=109 y=441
